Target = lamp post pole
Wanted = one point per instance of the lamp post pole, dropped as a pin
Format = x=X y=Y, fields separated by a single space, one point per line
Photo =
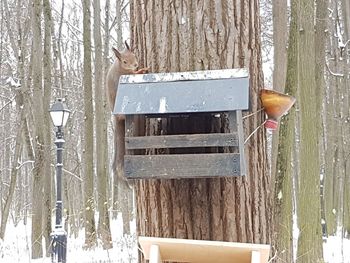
x=59 y=245
x=59 y=114
x=59 y=165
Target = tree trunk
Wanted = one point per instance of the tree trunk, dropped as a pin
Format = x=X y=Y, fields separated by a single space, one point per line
x=14 y=171
x=195 y=35
x=336 y=123
x=283 y=191
x=39 y=165
x=320 y=38
x=104 y=231
x=90 y=229
x=346 y=70
x=309 y=216
x=47 y=63
x=280 y=39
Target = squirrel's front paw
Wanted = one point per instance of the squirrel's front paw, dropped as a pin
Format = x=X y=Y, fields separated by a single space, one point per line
x=142 y=71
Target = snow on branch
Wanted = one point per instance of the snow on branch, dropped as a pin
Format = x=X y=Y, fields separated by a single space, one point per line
x=340 y=75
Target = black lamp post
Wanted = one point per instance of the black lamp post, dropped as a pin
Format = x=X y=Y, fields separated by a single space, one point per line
x=59 y=115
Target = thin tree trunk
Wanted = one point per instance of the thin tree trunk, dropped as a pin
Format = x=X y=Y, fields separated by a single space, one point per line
x=119 y=204
x=280 y=39
x=47 y=63
x=89 y=203
x=346 y=165
x=283 y=191
x=14 y=171
x=38 y=172
x=320 y=38
x=104 y=231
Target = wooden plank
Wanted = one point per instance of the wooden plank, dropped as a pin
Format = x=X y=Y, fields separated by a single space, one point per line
x=255 y=257
x=182 y=165
x=182 y=141
x=155 y=254
x=232 y=125
x=241 y=141
x=201 y=251
x=232 y=121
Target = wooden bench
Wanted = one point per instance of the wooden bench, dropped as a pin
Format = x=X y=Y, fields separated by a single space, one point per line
x=157 y=250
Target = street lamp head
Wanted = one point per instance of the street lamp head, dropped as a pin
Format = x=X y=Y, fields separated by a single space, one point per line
x=59 y=113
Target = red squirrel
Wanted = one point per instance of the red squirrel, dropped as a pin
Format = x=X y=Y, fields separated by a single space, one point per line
x=125 y=64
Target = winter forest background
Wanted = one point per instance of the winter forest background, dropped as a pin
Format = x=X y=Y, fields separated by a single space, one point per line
x=296 y=196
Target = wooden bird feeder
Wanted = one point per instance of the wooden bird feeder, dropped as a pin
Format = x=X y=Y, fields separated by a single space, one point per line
x=157 y=250
x=184 y=95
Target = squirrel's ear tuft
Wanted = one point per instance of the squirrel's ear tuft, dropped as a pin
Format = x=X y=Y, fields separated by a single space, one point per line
x=127 y=46
x=117 y=53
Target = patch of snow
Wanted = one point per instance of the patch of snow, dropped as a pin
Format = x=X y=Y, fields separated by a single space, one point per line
x=162 y=105
x=336 y=250
x=12 y=82
x=17 y=248
x=279 y=195
x=186 y=76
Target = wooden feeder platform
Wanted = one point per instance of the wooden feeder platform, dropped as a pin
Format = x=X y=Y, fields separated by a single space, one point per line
x=157 y=250
x=184 y=95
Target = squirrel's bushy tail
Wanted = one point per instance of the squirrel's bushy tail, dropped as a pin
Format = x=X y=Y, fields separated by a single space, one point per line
x=119 y=148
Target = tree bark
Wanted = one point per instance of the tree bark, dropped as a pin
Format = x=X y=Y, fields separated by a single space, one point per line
x=336 y=196
x=346 y=164
x=195 y=35
x=14 y=172
x=47 y=63
x=309 y=216
x=104 y=231
x=283 y=190
x=90 y=229
x=39 y=165
x=280 y=39
x=320 y=59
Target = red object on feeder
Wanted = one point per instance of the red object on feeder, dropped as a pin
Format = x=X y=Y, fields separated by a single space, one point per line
x=275 y=105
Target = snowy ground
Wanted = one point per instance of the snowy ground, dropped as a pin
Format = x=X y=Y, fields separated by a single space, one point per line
x=16 y=248
x=336 y=250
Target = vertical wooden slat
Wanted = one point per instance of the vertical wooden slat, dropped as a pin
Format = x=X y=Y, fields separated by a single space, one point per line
x=129 y=130
x=255 y=257
x=155 y=256
x=241 y=141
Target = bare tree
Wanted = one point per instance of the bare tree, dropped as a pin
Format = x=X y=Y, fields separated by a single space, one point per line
x=280 y=39
x=104 y=231
x=283 y=191
x=39 y=165
x=14 y=170
x=336 y=105
x=47 y=69
x=90 y=226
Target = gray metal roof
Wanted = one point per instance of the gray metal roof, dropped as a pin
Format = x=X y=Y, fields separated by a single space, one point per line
x=183 y=92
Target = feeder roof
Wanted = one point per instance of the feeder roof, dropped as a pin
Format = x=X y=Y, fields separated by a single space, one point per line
x=183 y=92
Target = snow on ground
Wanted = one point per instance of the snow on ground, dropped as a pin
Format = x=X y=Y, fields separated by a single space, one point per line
x=336 y=250
x=16 y=247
